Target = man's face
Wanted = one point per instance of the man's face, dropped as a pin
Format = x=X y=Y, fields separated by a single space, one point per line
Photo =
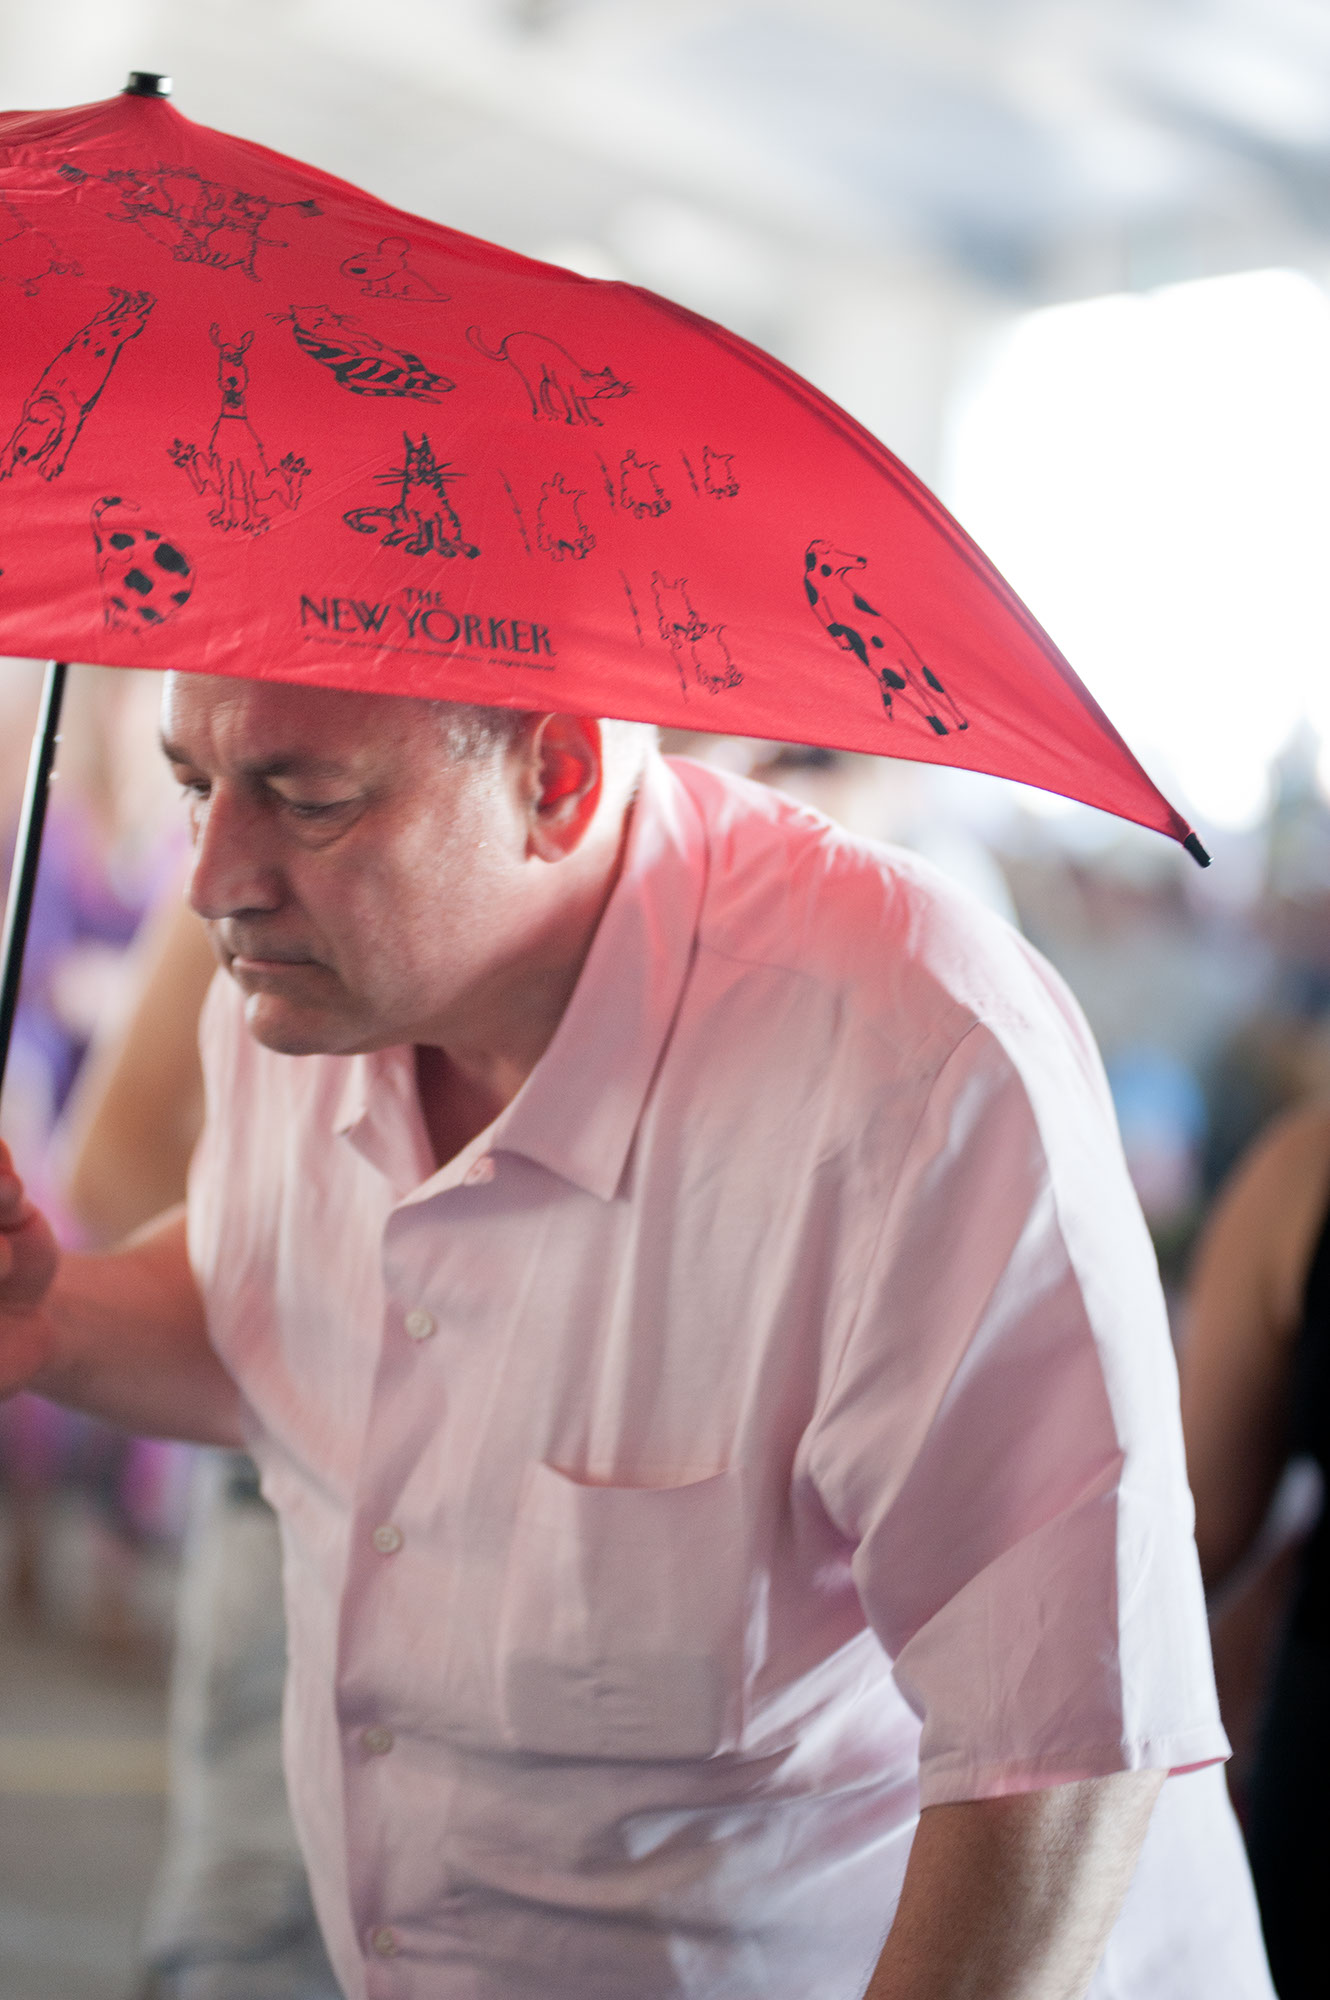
x=354 y=875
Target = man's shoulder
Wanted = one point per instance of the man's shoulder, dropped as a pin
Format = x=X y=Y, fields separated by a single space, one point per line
x=886 y=935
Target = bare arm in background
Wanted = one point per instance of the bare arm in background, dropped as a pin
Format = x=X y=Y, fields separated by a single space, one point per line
x=122 y=1335
x=1246 y=1308
x=138 y=1104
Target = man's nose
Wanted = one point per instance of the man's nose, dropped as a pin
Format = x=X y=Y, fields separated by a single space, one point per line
x=233 y=868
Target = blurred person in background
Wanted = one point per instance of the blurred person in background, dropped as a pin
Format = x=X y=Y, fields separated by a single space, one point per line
x=113 y=841
x=230 y=1917
x=1256 y=1399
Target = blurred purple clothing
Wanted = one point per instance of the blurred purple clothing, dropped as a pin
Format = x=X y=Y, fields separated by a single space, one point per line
x=81 y=900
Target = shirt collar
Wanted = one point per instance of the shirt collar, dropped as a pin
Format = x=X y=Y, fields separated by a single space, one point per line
x=577 y=1112
x=379 y=1114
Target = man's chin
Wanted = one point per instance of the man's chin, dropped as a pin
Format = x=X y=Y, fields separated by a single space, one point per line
x=292 y=1030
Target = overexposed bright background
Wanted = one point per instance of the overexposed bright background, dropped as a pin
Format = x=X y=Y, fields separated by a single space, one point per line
x=1152 y=472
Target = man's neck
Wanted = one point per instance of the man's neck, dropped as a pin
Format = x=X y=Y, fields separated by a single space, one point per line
x=466 y=1082
x=457 y=1106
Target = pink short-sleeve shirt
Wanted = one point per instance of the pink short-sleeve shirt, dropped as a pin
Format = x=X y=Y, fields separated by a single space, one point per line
x=767 y=1425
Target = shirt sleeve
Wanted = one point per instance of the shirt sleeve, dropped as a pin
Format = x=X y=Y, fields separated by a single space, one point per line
x=206 y=1168
x=1001 y=1444
x=224 y=1051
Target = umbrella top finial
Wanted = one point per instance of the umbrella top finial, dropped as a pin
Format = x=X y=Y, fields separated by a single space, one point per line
x=147 y=83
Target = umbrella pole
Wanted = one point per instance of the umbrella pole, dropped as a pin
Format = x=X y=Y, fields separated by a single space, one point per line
x=27 y=853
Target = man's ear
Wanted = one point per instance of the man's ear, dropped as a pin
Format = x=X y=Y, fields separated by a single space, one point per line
x=565 y=778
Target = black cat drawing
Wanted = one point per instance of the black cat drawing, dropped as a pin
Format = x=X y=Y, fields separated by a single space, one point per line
x=560 y=390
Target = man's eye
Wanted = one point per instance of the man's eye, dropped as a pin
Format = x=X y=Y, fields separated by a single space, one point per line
x=310 y=809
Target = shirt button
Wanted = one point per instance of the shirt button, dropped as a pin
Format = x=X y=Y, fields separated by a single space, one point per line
x=384 y=1941
x=419 y=1324
x=387 y=1539
x=378 y=1740
x=479 y=1171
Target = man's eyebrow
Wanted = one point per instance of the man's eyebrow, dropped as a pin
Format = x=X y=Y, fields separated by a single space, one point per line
x=283 y=765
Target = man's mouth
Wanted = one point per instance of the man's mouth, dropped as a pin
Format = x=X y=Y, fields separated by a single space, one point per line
x=265 y=963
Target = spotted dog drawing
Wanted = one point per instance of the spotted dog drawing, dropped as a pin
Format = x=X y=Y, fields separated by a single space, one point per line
x=699 y=647
x=145 y=577
x=28 y=254
x=358 y=361
x=718 y=473
x=560 y=528
x=422 y=520
x=199 y=221
x=68 y=388
x=640 y=492
x=385 y=274
x=559 y=389
x=882 y=647
x=234 y=467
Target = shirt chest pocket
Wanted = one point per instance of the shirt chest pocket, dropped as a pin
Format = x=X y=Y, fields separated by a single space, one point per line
x=621 y=1633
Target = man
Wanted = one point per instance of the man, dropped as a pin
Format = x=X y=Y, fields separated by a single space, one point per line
x=674 y=1267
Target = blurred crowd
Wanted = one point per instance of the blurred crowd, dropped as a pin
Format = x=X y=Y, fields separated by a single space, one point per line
x=112 y=857
x=1209 y=995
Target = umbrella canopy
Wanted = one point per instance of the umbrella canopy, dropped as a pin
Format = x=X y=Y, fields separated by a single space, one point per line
x=255 y=422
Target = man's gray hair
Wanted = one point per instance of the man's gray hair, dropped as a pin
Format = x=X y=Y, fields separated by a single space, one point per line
x=471 y=731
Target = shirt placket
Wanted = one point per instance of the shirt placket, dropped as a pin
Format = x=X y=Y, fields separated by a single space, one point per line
x=395 y=1552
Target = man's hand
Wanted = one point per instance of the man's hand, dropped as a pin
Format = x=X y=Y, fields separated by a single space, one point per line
x=28 y=1263
x=1014 y=1898
x=122 y=1336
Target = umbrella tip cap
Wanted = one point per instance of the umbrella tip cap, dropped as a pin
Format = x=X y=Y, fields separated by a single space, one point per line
x=1196 y=851
x=147 y=83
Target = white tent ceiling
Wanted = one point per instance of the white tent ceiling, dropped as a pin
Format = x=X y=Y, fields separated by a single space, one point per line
x=995 y=134
x=861 y=185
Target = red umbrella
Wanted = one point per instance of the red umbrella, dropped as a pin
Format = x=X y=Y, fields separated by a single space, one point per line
x=255 y=422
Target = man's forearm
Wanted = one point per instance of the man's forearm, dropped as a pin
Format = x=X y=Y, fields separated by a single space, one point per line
x=1014 y=1898
x=131 y=1343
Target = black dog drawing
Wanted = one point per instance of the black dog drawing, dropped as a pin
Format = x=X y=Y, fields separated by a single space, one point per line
x=145 y=577
x=234 y=466
x=640 y=492
x=28 y=254
x=698 y=646
x=67 y=390
x=385 y=274
x=831 y=588
x=718 y=473
x=199 y=221
x=560 y=528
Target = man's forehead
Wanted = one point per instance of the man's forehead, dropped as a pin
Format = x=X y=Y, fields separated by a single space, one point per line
x=275 y=725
